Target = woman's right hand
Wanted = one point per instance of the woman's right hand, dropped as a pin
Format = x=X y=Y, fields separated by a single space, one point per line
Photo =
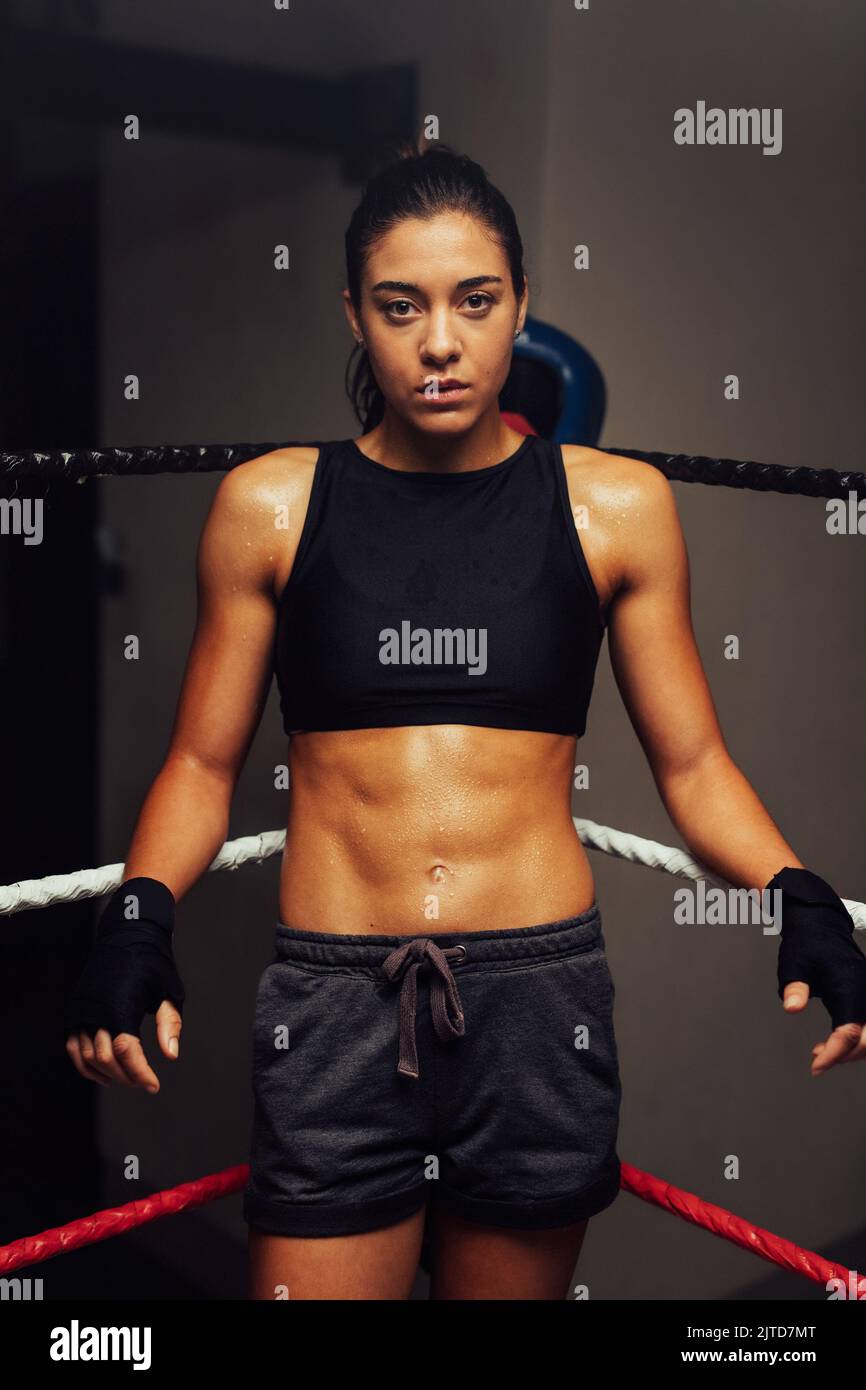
x=129 y=973
x=120 y=1060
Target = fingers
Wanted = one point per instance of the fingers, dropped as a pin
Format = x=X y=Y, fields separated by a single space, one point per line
x=104 y=1058
x=839 y=1047
x=858 y=1051
x=130 y=1058
x=168 y=1026
x=80 y=1063
x=120 y=1060
x=796 y=996
x=845 y=1044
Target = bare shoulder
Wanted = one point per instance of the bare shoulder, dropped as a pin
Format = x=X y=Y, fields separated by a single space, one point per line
x=614 y=482
x=632 y=529
x=255 y=519
x=270 y=479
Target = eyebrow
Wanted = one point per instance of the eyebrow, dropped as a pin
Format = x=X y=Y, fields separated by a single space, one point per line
x=471 y=283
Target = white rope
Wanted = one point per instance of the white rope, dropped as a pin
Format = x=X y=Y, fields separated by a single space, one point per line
x=654 y=855
x=93 y=883
x=650 y=853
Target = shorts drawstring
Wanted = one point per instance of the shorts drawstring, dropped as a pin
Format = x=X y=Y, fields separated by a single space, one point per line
x=445 y=1005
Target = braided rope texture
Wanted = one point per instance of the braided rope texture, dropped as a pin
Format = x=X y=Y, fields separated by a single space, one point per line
x=93 y=883
x=113 y=1221
x=79 y=464
x=721 y=1222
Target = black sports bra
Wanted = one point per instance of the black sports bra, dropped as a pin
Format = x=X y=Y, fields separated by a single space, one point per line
x=428 y=598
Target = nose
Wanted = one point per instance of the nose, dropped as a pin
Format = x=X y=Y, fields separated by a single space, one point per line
x=442 y=340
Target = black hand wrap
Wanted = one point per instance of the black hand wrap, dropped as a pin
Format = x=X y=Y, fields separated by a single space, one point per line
x=131 y=969
x=818 y=945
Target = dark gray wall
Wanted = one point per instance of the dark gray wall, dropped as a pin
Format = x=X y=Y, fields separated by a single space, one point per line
x=703 y=262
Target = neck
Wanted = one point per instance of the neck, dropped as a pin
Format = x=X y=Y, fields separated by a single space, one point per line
x=444 y=448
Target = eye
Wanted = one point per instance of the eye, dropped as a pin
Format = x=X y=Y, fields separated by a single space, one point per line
x=486 y=299
x=480 y=304
x=389 y=307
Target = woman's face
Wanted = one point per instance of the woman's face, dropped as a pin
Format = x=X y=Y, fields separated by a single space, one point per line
x=423 y=323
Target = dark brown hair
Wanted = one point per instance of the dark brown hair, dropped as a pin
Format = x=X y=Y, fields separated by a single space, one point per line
x=422 y=180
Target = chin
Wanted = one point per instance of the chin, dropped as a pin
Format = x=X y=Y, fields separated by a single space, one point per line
x=461 y=414
x=446 y=422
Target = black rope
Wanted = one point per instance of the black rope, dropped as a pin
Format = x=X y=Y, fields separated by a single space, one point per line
x=78 y=464
x=760 y=477
x=75 y=464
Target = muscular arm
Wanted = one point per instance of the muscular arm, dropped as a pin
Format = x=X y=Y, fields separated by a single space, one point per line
x=660 y=676
x=184 y=818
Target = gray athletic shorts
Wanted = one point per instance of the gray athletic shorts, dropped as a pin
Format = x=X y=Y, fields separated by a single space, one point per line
x=476 y=1069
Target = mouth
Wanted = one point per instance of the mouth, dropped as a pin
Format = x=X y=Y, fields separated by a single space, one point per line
x=447 y=390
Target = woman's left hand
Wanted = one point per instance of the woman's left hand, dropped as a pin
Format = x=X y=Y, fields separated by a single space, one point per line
x=845 y=1044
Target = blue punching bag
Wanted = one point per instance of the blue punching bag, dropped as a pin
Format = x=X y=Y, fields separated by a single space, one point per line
x=555 y=385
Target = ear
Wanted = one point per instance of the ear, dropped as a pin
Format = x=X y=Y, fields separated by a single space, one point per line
x=351 y=316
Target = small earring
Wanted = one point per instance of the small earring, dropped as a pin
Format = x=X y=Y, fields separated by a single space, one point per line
x=517 y=334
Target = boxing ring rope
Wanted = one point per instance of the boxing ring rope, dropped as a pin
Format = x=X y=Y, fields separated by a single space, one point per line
x=81 y=464
x=89 y=883
x=93 y=883
x=115 y=1221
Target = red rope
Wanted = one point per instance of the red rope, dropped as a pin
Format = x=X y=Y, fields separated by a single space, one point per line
x=730 y=1227
x=115 y=1220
